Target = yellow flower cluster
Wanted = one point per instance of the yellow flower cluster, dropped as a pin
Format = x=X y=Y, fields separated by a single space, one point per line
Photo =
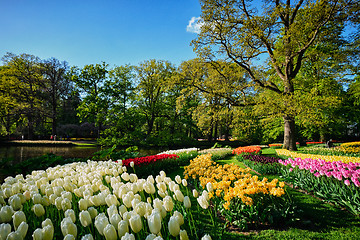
x=350 y=147
x=292 y=154
x=230 y=181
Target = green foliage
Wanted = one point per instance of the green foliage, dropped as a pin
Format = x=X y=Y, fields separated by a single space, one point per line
x=113 y=154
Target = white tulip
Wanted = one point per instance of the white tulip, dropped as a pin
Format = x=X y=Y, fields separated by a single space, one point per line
x=180 y=217
x=183 y=235
x=38 y=234
x=69 y=237
x=87 y=237
x=85 y=218
x=178 y=179
x=5 y=230
x=18 y=218
x=22 y=229
x=39 y=210
x=154 y=222
x=48 y=232
x=187 y=202
x=174 y=226
x=83 y=204
x=110 y=232
x=179 y=195
x=123 y=228
x=70 y=213
x=206 y=237
x=128 y=236
x=135 y=223
x=115 y=219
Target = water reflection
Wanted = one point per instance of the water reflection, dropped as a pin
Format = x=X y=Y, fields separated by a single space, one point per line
x=21 y=153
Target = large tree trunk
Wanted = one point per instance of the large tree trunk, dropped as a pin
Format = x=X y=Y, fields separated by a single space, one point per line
x=289 y=133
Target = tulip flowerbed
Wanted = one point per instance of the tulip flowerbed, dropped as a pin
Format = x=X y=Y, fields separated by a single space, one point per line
x=336 y=182
x=247 y=149
x=344 y=159
x=242 y=198
x=152 y=165
x=262 y=164
x=96 y=200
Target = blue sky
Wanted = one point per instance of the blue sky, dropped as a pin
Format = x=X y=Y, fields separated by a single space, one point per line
x=87 y=32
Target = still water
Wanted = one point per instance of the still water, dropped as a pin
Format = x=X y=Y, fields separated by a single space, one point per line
x=21 y=153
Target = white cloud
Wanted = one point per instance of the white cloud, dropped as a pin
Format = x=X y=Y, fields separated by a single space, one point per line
x=194 y=25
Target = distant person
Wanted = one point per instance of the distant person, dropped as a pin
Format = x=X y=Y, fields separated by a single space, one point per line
x=51 y=137
x=329 y=144
x=22 y=137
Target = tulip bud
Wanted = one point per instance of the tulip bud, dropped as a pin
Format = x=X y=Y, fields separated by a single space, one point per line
x=15 y=202
x=70 y=213
x=101 y=221
x=5 y=230
x=48 y=232
x=209 y=187
x=65 y=204
x=68 y=227
x=69 y=237
x=168 y=204
x=111 y=200
x=83 y=204
x=154 y=222
x=18 y=218
x=93 y=212
x=183 y=235
x=14 y=236
x=174 y=226
x=6 y=213
x=178 y=179
x=123 y=228
x=203 y=202
x=187 y=202
x=110 y=232
x=132 y=164
x=184 y=182
x=87 y=237
x=179 y=195
x=115 y=219
x=58 y=201
x=128 y=236
x=179 y=217
x=22 y=229
x=122 y=210
x=206 y=237
x=195 y=193
x=135 y=223
x=125 y=176
x=112 y=210
x=39 y=210
x=85 y=218
x=150 y=237
x=38 y=234
x=36 y=198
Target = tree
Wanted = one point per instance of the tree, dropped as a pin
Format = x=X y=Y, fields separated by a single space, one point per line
x=153 y=77
x=284 y=31
x=24 y=75
x=90 y=81
x=58 y=86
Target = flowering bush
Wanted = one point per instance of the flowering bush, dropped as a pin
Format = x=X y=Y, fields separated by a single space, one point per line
x=248 y=149
x=292 y=154
x=261 y=164
x=336 y=182
x=241 y=197
x=95 y=200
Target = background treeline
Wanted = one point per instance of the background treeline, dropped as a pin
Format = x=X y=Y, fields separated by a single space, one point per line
x=157 y=103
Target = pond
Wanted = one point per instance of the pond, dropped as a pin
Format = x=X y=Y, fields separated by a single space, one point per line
x=21 y=153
